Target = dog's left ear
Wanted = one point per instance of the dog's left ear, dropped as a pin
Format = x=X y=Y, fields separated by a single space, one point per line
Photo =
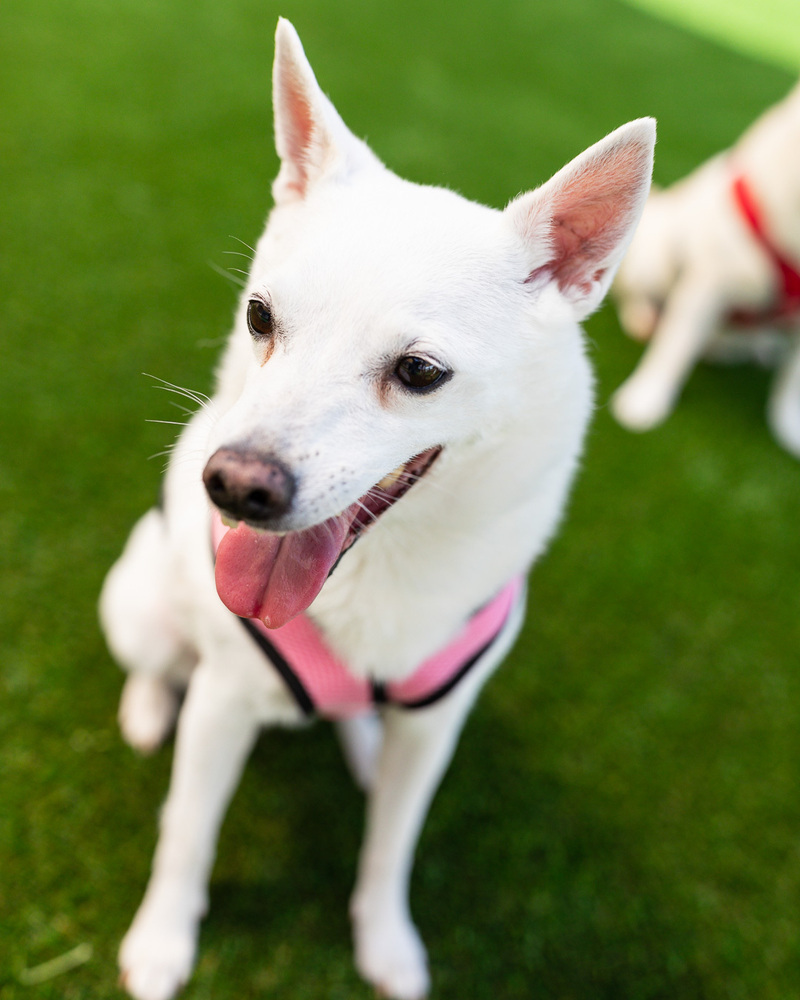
x=576 y=228
x=311 y=139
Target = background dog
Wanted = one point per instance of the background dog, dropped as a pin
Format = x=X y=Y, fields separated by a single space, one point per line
x=713 y=271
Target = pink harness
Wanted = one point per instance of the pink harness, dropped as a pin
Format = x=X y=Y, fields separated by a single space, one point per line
x=789 y=302
x=322 y=684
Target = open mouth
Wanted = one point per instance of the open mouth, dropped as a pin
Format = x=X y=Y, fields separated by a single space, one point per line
x=275 y=577
x=389 y=490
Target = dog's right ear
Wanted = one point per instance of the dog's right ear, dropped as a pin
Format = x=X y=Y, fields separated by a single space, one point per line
x=576 y=228
x=311 y=139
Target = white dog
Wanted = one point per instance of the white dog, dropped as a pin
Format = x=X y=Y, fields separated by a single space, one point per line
x=714 y=269
x=384 y=326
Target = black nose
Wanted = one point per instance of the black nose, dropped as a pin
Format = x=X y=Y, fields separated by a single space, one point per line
x=248 y=486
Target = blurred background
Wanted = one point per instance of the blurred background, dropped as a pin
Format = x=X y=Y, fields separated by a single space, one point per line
x=622 y=819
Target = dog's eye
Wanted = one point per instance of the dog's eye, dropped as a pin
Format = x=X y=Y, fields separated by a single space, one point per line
x=259 y=318
x=418 y=374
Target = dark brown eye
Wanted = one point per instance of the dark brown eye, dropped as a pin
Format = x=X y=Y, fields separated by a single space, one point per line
x=259 y=318
x=418 y=374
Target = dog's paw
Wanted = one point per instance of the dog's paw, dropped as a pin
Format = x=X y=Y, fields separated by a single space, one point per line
x=147 y=712
x=640 y=406
x=391 y=956
x=155 y=961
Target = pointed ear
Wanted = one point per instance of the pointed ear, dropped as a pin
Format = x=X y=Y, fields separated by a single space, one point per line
x=576 y=228
x=311 y=139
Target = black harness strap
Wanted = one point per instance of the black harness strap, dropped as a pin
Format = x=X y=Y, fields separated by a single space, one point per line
x=380 y=693
x=448 y=685
x=283 y=667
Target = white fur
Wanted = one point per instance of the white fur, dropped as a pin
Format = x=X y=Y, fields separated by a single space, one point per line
x=362 y=267
x=694 y=261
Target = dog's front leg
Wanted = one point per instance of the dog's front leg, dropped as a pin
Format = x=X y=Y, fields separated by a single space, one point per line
x=690 y=318
x=783 y=409
x=216 y=732
x=417 y=747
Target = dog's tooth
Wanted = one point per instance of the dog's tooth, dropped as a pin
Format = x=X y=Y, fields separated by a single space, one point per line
x=389 y=480
x=228 y=521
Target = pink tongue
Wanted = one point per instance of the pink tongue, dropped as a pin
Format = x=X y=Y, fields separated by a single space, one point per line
x=275 y=577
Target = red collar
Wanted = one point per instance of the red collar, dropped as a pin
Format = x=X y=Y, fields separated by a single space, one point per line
x=789 y=292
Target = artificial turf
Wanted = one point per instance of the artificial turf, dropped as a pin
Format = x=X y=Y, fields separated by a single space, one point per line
x=622 y=819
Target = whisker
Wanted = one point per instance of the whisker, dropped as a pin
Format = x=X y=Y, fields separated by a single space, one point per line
x=226 y=274
x=183 y=409
x=432 y=484
x=192 y=393
x=194 y=457
x=247 y=245
x=197 y=397
x=211 y=342
x=371 y=514
x=328 y=528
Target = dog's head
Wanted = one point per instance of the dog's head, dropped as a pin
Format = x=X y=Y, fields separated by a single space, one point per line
x=384 y=323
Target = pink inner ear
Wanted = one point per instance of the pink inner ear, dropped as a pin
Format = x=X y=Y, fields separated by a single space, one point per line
x=583 y=237
x=590 y=211
x=294 y=129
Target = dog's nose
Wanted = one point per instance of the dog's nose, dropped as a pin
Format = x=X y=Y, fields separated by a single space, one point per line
x=248 y=486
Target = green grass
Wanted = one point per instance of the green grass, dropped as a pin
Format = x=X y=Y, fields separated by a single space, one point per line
x=622 y=819
x=765 y=29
